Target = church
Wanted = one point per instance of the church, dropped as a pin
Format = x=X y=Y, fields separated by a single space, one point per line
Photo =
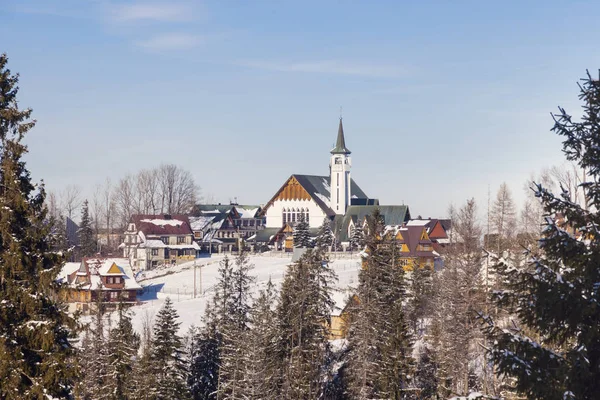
x=336 y=197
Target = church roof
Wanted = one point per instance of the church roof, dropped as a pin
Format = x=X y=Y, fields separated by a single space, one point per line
x=392 y=215
x=319 y=188
x=340 y=144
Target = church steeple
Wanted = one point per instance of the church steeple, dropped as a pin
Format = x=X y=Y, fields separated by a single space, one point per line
x=339 y=170
x=340 y=144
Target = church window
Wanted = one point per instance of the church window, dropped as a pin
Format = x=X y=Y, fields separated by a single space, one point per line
x=337 y=180
x=306 y=216
x=284 y=217
x=293 y=216
x=338 y=160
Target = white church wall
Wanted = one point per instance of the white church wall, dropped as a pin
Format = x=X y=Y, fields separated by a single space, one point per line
x=275 y=212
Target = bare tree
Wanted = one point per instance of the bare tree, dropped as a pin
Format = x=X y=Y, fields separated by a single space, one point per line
x=503 y=218
x=70 y=199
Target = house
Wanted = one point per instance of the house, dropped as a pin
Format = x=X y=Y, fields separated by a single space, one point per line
x=220 y=227
x=416 y=248
x=336 y=198
x=341 y=315
x=110 y=278
x=153 y=240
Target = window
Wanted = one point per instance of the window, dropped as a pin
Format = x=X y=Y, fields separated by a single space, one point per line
x=338 y=160
x=306 y=216
x=245 y=222
x=154 y=252
x=114 y=295
x=180 y=239
x=284 y=218
x=165 y=239
x=251 y=222
x=293 y=216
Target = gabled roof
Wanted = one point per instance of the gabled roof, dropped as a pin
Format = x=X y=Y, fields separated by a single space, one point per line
x=151 y=224
x=340 y=144
x=392 y=215
x=319 y=189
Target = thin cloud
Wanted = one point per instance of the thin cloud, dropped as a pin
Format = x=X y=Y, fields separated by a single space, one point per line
x=332 y=67
x=170 y=41
x=161 y=12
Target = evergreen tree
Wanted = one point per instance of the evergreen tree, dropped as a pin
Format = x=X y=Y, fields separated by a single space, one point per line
x=303 y=315
x=379 y=352
x=419 y=304
x=123 y=344
x=204 y=355
x=551 y=347
x=167 y=357
x=232 y=333
x=357 y=237
x=302 y=234
x=143 y=374
x=35 y=352
x=87 y=241
x=324 y=239
x=259 y=348
x=94 y=360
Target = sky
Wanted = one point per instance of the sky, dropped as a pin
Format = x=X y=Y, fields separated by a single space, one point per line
x=441 y=101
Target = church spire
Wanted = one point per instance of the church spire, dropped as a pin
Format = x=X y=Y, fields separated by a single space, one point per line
x=340 y=145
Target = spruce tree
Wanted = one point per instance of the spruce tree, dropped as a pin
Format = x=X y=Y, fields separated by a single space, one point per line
x=233 y=330
x=259 y=350
x=552 y=345
x=204 y=355
x=123 y=344
x=357 y=237
x=167 y=357
x=302 y=234
x=87 y=241
x=324 y=239
x=35 y=330
x=303 y=316
x=379 y=341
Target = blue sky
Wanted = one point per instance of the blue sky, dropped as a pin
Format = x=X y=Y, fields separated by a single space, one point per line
x=440 y=99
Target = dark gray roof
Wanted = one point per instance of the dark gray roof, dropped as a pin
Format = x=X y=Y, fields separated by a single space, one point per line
x=392 y=215
x=319 y=188
x=340 y=144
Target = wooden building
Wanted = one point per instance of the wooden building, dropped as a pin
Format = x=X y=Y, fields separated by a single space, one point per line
x=111 y=278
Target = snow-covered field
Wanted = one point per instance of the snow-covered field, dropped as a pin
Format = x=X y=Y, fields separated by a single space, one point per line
x=178 y=284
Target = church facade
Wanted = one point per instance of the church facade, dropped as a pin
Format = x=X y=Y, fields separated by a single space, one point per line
x=335 y=197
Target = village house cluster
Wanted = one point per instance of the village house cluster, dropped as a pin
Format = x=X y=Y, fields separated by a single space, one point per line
x=151 y=241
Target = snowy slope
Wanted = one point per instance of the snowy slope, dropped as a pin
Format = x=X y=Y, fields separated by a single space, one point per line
x=179 y=285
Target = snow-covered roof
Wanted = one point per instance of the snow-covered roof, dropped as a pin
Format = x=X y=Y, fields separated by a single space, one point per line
x=340 y=299
x=247 y=213
x=99 y=267
x=163 y=222
x=199 y=223
x=418 y=222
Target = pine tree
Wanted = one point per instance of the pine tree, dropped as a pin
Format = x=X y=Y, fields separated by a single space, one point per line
x=35 y=351
x=167 y=357
x=302 y=234
x=143 y=374
x=357 y=237
x=379 y=352
x=123 y=344
x=259 y=348
x=204 y=355
x=420 y=283
x=303 y=315
x=87 y=241
x=233 y=332
x=551 y=346
x=94 y=360
x=324 y=239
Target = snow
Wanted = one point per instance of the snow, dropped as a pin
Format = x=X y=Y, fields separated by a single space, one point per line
x=178 y=283
x=324 y=199
x=247 y=212
x=163 y=222
x=418 y=222
x=326 y=185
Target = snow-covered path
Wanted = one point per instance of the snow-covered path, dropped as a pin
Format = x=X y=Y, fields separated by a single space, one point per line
x=179 y=285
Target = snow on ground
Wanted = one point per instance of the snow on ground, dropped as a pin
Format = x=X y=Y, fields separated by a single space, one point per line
x=178 y=283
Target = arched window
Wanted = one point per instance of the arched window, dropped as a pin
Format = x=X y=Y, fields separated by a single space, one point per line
x=289 y=216
x=284 y=215
x=294 y=215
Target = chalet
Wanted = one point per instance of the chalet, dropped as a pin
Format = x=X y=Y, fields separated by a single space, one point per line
x=313 y=198
x=340 y=316
x=221 y=227
x=416 y=248
x=110 y=278
x=153 y=240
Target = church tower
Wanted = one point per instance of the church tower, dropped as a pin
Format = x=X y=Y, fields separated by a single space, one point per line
x=339 y=168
